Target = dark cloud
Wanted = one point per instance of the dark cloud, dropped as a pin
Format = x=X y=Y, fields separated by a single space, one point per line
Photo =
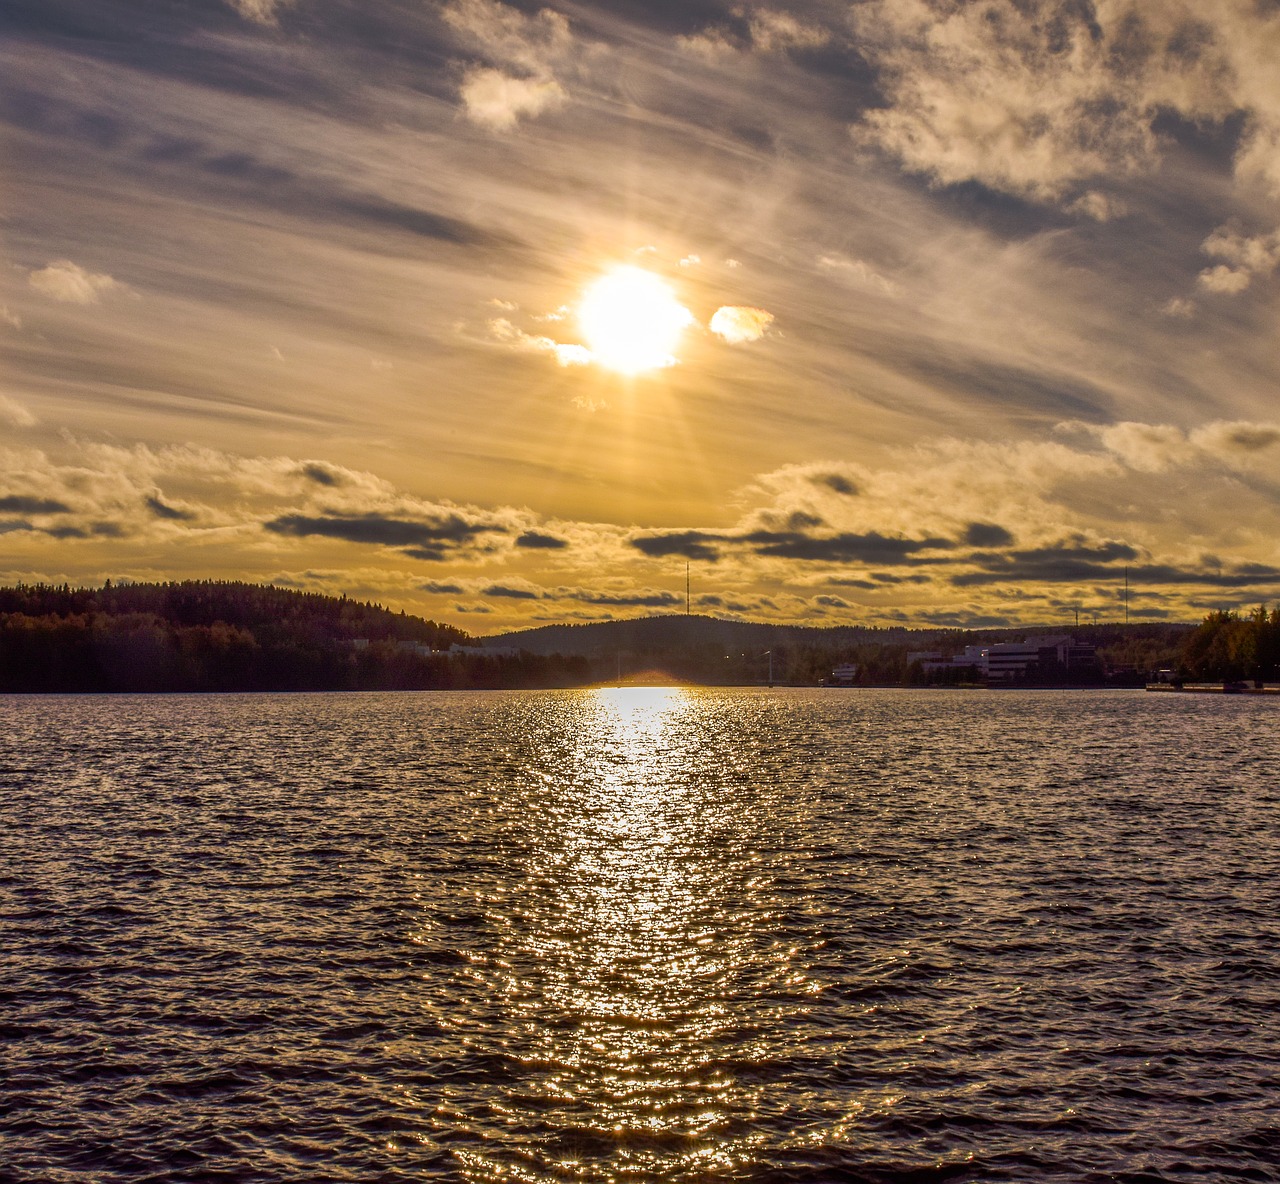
x=510 y=593
x=422 y=540
x=441 y=588
x=534 y=540
x=691 y=544
x=321 y=474
x=1064 y=562
x=1252 y=439
x=639 y=599
x=986 y=534
x=18 y=503
x=160 y=510
x=831 y=601
x=871 y=547
x=14 y=525
x=837 y=483
x=1084 y=564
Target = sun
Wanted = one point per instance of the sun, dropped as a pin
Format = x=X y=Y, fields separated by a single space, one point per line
x=632 y=321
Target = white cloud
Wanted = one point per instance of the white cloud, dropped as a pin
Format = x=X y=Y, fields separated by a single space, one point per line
x=768 y=30
x=262 y=12
x=15 y=414
x=859 y=273
x=738 y=324
x=1098 y=206
x=565 y=354
x=70 y=283
x=498 y=101
x=10 y=318
x=1246 y=256
x=524 y=54
x=1032 y=98
x=1224 y=279
x=1179 y=307
x=772 y=31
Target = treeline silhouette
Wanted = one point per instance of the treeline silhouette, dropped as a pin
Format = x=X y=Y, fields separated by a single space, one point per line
x=227 y=636
x=230 y=636
x=1230 y=646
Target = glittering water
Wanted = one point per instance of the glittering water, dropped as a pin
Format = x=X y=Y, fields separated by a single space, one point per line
x=640 y=935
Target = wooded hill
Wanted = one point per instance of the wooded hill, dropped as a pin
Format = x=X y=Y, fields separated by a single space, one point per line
x=216 y=636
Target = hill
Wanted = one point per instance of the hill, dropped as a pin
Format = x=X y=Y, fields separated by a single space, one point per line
x=224 y=636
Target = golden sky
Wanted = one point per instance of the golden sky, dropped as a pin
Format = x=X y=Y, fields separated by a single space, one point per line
x=884 y=312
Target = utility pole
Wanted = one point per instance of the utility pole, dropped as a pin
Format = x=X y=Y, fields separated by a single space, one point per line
x=1126 y=594
x=686 y=588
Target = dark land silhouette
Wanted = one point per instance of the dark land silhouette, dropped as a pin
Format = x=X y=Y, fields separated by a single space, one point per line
x=228 y=636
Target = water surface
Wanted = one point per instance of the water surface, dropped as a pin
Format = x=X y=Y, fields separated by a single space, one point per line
x=640 y=935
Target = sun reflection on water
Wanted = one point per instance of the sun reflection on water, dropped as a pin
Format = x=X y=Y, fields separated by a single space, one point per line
x=622 y=951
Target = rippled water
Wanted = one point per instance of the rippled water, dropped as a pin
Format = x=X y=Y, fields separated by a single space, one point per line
x=640 y=935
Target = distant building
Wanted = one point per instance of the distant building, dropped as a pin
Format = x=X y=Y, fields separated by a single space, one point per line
x=1009 y=661
x=845 y=674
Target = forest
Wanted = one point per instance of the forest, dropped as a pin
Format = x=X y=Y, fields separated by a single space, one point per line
x=227 y=636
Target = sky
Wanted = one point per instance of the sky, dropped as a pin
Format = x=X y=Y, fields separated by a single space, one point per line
x=888 y=312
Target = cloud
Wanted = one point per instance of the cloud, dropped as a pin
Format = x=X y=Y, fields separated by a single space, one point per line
x=986 y=534
x=10 y=318
x=871 y=547
x=15 y=414
x=441 y=588
x=70 y=283
x=262 y=12
x=498 y=101
x=502 y=330
x=535 y=540
x=772 y=30
x=18 y=503
x=837 y=483
x=1157 y=448
x=859 y=273
x=1246 y=257
x=428 y=540
x=1033 y=97
x=690 y=544
x=512 y=593
x=1098 y=206
x=1224 y=279
x=754 y=30
x=161 y=510
x=1179 y=307
x=321 y=473
x=523 y=51
x=738 y=324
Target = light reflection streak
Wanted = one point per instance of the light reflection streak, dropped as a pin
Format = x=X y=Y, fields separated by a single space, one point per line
x=630 y=939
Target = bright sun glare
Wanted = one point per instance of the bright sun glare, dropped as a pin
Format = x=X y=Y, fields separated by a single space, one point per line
x=632 y=320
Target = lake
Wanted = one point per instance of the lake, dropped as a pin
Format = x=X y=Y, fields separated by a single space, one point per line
x=640 y=935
